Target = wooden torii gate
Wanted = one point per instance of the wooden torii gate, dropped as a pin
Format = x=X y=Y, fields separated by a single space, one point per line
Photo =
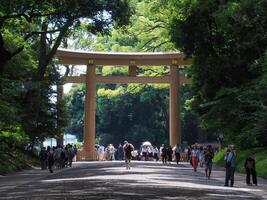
x=133 y=60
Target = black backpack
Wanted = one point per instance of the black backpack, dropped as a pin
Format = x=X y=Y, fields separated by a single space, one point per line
x=43 y=155
x=50 y=156
x=62 y=155
x=164 y=151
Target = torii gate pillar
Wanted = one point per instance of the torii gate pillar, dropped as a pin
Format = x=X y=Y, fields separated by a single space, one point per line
x=89 y=112
x=174 y=113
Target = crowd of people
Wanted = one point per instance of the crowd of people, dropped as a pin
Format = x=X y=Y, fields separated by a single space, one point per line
x=58 y=157
x=144 y=153
x=198 y=156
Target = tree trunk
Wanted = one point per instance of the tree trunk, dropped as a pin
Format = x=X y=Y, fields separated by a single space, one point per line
x=60 y=138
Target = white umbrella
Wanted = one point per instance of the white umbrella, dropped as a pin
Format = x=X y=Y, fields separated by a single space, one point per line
x=146 y=143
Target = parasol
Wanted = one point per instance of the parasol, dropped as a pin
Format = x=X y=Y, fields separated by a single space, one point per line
x=146 y=143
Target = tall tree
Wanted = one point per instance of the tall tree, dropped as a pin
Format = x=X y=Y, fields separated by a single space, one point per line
x=45 y=25
x=228 y=42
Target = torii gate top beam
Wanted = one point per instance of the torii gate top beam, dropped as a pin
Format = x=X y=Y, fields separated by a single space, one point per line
x=74 y=57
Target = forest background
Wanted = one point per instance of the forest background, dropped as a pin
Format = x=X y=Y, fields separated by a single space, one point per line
x=227 y=94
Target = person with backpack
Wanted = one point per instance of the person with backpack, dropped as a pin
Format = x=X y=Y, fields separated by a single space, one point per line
x=43 y=158
x=250 y=167
x=50 y=158
x=128 y=148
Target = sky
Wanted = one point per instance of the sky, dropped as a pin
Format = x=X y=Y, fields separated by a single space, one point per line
x=67 y=87
x=77 y=71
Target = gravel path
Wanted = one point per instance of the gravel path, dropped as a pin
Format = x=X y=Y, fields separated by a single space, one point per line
x=110 y=180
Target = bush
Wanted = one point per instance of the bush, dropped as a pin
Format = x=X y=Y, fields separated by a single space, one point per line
x=13 y=138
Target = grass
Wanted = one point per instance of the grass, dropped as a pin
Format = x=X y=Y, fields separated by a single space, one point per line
x=259 y=154
x=16 y=160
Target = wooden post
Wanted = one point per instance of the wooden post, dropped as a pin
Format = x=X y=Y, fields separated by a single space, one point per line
x=89 y=112
x=132 y=69
x=175 y=128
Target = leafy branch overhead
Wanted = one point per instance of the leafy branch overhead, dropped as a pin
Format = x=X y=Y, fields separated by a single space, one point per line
x=31 y=32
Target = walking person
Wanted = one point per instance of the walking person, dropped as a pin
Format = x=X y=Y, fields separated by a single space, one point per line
x=195 y=157
x=189 y=154
x=164 y=154
x=101 y=152
x=156 y=153
x=201 y=157
x=43 y=158
x=208 y=156
x=71 y=155
x=177 y=151
x=250 y=167
x=128 y=148
x=169 y=153
x=50 y=158
x=230 y=165
x=120 y=152
x=75 y=149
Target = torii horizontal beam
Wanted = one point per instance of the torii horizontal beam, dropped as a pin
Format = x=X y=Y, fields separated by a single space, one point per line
x=126 y=79
x=74 y=57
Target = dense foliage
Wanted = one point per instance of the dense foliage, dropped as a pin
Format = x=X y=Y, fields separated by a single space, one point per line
x=228 y=42
x=30 y=33
x=134 y=112
x=226 y=38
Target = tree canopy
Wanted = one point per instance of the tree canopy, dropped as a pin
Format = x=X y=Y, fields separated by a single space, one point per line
x=226 y=39
x=228 y=42
x=31 y=32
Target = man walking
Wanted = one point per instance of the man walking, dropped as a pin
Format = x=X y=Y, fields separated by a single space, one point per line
x=230 y=158
x=128 y=148
x=250 y=170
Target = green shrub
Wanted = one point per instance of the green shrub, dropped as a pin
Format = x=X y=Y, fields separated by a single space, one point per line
x=13 y=138
x=78 y=144
x=16 y=159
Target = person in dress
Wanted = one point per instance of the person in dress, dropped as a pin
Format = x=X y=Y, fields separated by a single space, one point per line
x=195 y=157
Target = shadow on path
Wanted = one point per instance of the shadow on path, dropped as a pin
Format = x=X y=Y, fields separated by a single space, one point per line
x=146 y=180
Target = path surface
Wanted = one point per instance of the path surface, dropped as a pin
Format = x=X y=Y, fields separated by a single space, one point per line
x=110 y=180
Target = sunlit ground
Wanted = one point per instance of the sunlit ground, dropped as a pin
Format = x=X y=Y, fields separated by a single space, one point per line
x=157 y=176
x=145 y=180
